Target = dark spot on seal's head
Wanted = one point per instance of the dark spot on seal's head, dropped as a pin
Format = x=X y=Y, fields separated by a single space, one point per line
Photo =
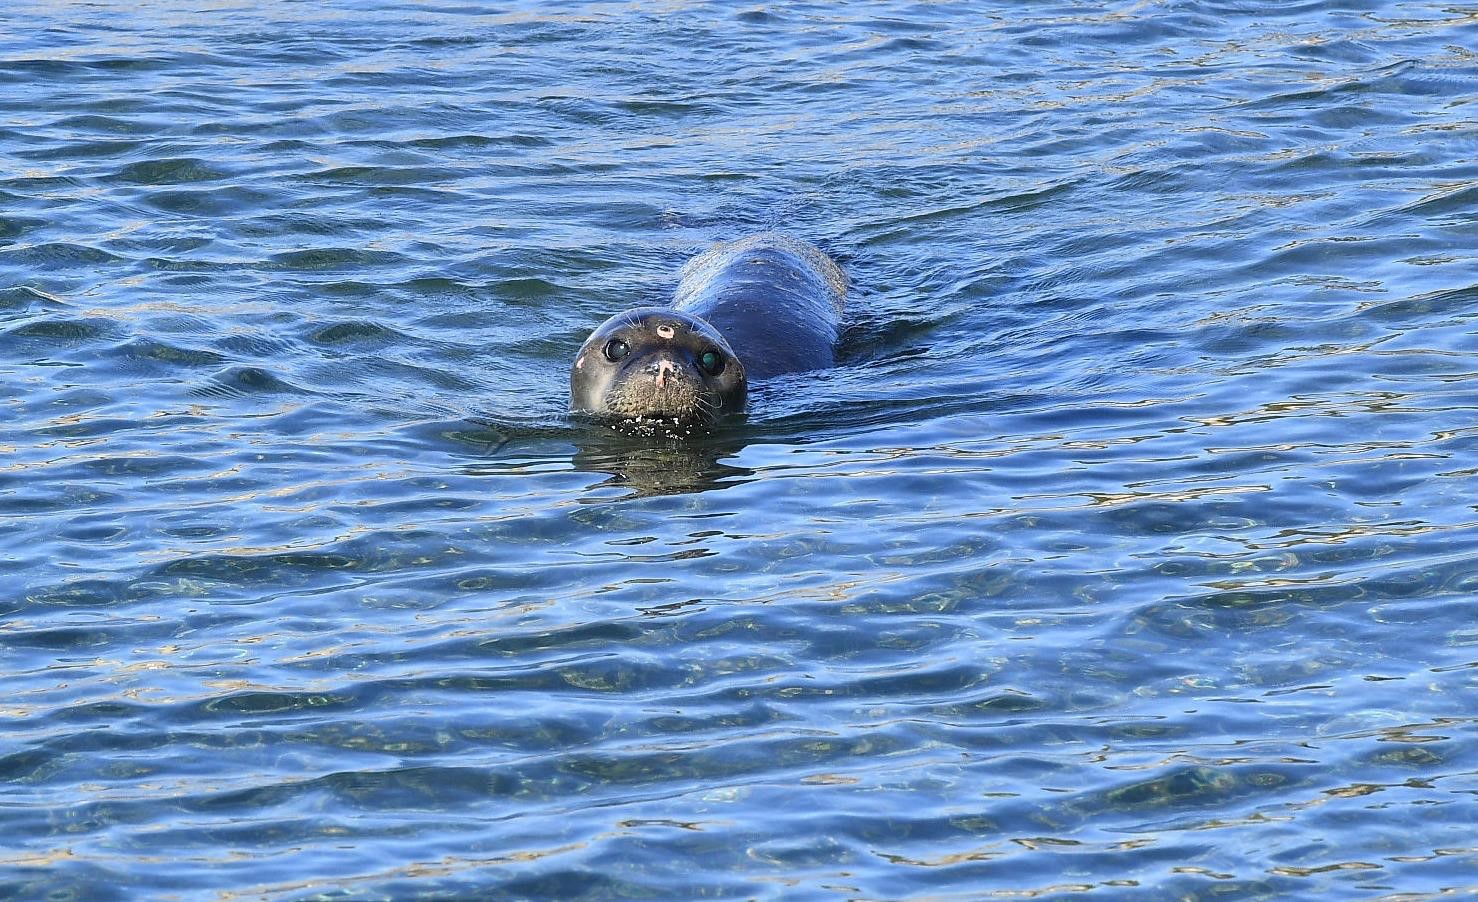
x=657 y=369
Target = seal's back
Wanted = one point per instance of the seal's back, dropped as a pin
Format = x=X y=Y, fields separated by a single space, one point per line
x=777 y=300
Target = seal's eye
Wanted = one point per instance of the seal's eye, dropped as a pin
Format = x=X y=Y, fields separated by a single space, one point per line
x=712 y=362
x=616 y=349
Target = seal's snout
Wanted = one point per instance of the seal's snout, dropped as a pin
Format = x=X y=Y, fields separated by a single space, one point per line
x=665 y=375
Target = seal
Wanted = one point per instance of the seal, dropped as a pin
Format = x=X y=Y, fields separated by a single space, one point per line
x=758 y=307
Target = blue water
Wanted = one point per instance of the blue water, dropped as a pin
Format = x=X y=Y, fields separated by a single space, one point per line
x=1129 y=552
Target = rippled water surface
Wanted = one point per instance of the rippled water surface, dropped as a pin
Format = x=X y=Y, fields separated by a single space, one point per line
x=1128 y=552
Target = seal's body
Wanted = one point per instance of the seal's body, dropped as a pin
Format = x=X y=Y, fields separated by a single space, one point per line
x=747 y=309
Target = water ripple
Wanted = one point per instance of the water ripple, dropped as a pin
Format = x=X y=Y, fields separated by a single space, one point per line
x=1126 y=549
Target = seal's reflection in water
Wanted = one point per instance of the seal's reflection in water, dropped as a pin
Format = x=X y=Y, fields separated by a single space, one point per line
x=643 y=465
x=648 y=466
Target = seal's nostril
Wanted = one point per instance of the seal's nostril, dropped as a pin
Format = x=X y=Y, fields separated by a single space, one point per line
x=665 y=331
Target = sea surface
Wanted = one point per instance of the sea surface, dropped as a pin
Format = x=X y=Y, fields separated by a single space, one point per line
x=1129 y=552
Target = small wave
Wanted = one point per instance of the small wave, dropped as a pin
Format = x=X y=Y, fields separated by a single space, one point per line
x=244 y=381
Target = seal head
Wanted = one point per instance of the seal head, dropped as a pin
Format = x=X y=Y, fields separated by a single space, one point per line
x=655 y=369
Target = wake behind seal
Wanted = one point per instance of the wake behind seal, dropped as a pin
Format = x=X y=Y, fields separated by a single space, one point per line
x=748 y=309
